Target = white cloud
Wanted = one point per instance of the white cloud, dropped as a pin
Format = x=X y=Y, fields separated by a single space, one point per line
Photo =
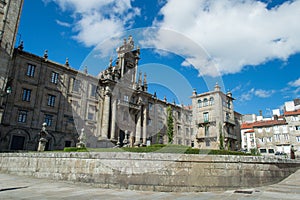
x=65 y=24
x=295 y=83
x=247 y=96
x=97 y=20
x=235 y=33
x=264 y=93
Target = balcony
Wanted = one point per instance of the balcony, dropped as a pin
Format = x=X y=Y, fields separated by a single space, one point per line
x=201 y=137
x=204 y=122
x=231 y=136
x=229 y=121
x=128 y=104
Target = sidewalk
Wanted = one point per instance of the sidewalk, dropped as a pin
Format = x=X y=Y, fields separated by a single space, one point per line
x=19 y=187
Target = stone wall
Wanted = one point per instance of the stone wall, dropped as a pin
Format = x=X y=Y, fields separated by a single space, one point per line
x=151 y=171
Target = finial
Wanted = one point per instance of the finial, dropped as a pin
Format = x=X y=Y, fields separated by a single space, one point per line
x=85 y=70
x=154 y=95
x=46 y=54
x=110 y=62
x=174 y=102
x=21 y=46
x=194 y=92
x=217 y=87
x=165 y=98
x=67 y=62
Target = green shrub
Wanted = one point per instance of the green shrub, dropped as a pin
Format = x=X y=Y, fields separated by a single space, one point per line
x=75 y=149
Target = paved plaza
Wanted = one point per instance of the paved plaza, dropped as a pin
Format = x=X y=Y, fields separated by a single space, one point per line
x=20 y=187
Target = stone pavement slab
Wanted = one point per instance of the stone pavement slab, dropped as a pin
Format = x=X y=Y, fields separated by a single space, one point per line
x=20 y=187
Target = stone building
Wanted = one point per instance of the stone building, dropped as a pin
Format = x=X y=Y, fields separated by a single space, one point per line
x=10 y=12
x=215 y=120
x=113 y=108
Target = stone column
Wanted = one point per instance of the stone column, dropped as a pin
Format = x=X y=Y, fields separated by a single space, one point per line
x=113 y=134
x=106 y=114
x=138 y=129
x=145 y=126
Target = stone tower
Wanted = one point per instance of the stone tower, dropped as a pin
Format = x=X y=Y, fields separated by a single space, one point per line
x=10 y=13
x=128 y=61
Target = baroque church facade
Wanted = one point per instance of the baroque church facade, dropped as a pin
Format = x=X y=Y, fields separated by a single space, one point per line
x=113 y=108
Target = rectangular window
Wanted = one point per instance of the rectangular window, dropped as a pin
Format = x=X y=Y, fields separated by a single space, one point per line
x=187 y=133
x=126 y=99
x=26 y=95
x=207 y=143
x=93 y=90
x=206 y=117
x=22 y=116
x=91 y=113
x=150 y=106
x=269 y=139
x=179 y=115
x=263 y=150
x=298 y=138
x=271 y=150
x=51 y=100
x=297 y=128
x=206 y=130
x=48 y=119
x=30 y=70
x=76 y=85
x=179 y=129
x=149 y=122
x=54 y=77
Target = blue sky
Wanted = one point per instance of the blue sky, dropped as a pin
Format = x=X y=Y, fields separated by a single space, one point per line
x=251 y=48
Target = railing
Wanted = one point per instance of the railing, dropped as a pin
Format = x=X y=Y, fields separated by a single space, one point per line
x=230 y=121
x=230 y=136
x=206 y=121
x=128 y=104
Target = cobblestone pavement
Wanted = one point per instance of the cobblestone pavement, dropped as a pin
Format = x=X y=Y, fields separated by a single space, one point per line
x=20 y=187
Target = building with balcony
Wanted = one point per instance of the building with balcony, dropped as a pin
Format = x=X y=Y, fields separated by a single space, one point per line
x=215 y=121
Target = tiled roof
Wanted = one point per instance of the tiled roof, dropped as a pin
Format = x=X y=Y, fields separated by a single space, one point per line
x=250 y=131
x=289 y=113
x=263 y=124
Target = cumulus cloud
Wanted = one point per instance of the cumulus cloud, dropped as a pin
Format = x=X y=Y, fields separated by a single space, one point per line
x=97 y=20
x=234 y=33
x=247 y=96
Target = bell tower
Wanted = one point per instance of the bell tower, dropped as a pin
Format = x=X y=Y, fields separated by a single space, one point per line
x=10 y=13
x=128 y=61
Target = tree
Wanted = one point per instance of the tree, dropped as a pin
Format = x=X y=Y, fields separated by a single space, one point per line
x=170 y=124
x=221 y=137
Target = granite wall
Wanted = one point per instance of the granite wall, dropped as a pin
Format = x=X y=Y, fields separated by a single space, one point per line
x=151 y=171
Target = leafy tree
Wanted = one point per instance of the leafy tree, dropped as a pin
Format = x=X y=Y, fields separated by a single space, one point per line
x=170 y=124
x=221 y=137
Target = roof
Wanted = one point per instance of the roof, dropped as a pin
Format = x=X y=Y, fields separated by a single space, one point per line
x=290 y=113
x=250 y=131
x=262 y=124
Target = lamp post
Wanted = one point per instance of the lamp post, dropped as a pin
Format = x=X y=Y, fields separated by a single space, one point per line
x=4 y=94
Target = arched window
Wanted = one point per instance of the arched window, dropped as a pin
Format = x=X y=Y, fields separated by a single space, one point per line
x=199 y=103
x=205 y=102
x=211 y=101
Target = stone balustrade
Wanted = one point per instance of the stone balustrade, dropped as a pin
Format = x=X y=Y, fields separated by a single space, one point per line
x=151 y=171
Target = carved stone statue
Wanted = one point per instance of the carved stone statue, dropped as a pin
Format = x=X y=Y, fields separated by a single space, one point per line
x=43 y=138
x=82 y=139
